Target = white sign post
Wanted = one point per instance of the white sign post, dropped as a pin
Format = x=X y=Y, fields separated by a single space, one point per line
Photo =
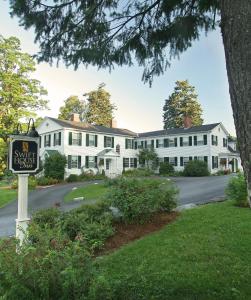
x=23 y=160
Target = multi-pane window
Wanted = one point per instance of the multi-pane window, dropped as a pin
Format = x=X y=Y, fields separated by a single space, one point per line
x=172 y=142
x=200 y=140
x=108 y=142
x=129 y=143
x=126 y=162
x=173 y=161
x=57 y=139
x=47 y=140
x=214 y=162
x=132 y=162
x=75 y=138
x=159 y=143
x=184 y=160
x=214 y=139
x=91 y=140
x=184 y=141
x=74 y=162
x=91 y=161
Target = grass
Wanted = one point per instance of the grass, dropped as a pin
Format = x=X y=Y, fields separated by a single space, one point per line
x=204 y=255
x=6 y=196
x=89 y=192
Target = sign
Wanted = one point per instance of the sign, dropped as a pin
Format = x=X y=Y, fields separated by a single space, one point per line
x=24 y=154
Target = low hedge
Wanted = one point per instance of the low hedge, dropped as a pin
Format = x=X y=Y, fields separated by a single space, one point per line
x=196 y=168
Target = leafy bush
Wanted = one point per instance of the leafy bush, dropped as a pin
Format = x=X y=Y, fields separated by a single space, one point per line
x=237 y=190
x=47 y=181
x=90 y=223
x=32 y=183
x=138 y=199
x=54 y=166
x=52 y=267
x=141 y=172
x=165 y=168
x=46 y=217
x=73 y=178
x=90 y=175
x=196 y=168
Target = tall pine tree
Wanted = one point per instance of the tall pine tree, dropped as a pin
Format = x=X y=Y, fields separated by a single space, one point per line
x=182 y=102
x=100 y=109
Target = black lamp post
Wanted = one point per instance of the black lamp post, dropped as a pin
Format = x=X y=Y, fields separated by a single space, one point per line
x=31 y=130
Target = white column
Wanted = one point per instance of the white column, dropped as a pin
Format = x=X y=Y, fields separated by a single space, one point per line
x=22 y=214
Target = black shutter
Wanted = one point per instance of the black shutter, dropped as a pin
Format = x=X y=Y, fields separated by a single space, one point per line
x=212 y=139
x=166 y=159
x=96 y=140
x=80 y=139
x=123 y=162
x=104 y=141
x=190 y=158
x=205 y=159
x=212 y=162
x=59 y=137
x=175 y=142
x=135 y=162
x=224 y=142
x=70 y=138
x=126 y=143
x=166 y=143
x=190 y=141
x=195 y=140
x=142 y=144
x=54 y=139
x=40 y=141
x=175 y=161
x=157 y=143
x=112 y=142
x=216 y=137
x=45 y=141
x=195 y=158
x=135 y=145
x=87 y=140
x=216 y=163
x=69 y=161
x=181 y=161
x=79 y=162
x=96 y=161
x=49 y=140
x=205 y=139
x=145 y=144
x=87 y=161
x=152 y=143
x=181 y=142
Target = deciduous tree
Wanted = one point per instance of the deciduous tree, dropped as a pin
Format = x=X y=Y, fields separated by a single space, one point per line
x=104 y=33
x=182 y=102
x=72 y=105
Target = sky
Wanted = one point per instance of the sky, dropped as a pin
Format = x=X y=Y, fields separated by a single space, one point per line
x=139 y=107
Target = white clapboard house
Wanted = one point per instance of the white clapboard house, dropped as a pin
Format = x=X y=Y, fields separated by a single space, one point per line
x=97 y=148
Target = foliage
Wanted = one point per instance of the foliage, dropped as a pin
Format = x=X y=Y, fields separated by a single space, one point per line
x=92 y=224
x=140 y=172
x=237 y=190
x=48 y=266
x=100 y=109
x=72 y=178
x=54 y=166
x=3 y=157
x=90 y=175
x=165 y=168
x=46 y=218
x=72 y=105
x=18 y=90
x=181 y=103
x=116 y=33
x=196 y=168
x=223 y=172
x=148 y=157
x=213 y=237
x=46 y=181
x=138 y=199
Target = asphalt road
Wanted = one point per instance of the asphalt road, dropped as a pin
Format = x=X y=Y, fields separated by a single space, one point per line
x=196 y=190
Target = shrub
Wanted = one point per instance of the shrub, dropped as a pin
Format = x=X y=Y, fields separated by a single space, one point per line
x=165 y=168
x=237 y=190
x=52 y=267
x=138 y=199
x=54 y=166
x=196 y=168
x=141 y=172
x=46 y=181
x=46 y=217
x=90 y=175
x=73 y=178
x=92 y=224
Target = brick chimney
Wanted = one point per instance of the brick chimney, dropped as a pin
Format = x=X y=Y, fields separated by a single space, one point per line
x=187 y=122
x=113 y=123
x=75 y=118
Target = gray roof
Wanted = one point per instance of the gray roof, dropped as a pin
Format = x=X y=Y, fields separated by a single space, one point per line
x=231 y=149
x=93 y=128
x=170 y=131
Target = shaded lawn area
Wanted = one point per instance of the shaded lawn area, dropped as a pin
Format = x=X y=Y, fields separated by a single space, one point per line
x=89 y=192
x=6 y=196
x=204 y=254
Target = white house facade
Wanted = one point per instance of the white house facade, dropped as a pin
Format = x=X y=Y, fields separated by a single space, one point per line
x=112 y=150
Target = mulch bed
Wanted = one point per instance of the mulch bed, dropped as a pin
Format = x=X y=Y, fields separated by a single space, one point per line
x=125 y=233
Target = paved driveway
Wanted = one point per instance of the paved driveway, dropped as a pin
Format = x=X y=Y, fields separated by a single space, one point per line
x=197 y=190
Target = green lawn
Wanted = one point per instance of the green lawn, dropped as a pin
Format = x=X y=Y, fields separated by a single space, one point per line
x=204 y=255
x=7 y=196
x=89 y=192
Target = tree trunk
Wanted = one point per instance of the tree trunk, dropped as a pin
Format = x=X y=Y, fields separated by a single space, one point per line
x=236 y=33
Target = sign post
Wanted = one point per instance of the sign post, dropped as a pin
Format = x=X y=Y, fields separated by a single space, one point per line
x=23 y=160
